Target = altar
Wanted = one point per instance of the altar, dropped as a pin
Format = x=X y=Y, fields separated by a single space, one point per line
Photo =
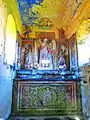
x=47 y=83
x=40 y=93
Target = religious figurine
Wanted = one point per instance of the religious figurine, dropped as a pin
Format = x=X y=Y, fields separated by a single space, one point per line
x=62 y=64
x=44 y=52
x=45 y=56
x=22 y=57
x=62 y=58
x=28 y=58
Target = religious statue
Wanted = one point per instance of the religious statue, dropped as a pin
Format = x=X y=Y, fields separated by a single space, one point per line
x=45 y=57
x=62 y=60
x=62 y=63
x=44 y=51
x=22 y=57
x=27 y=60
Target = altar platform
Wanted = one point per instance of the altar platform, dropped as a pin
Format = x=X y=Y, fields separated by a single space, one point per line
x=46 y=93
x=47 y=75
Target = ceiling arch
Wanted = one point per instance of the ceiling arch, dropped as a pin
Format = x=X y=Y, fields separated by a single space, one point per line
x=83 y=30
x=59 y=12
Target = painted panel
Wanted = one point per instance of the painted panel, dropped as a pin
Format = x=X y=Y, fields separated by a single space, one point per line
x=73 y=53
x=43 y=99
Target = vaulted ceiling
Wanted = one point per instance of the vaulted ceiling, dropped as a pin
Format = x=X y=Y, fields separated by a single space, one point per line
x=46 y=14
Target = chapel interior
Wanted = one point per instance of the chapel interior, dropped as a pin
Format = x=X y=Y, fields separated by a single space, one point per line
x=44 y=59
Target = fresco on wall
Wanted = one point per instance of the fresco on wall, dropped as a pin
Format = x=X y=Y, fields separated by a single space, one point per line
x=42 y=35
x=25 y=7
x=83 y=31
x=76 y=6
x=59 y=12
x=44 y=23
x=25 y=33
x=73 y=52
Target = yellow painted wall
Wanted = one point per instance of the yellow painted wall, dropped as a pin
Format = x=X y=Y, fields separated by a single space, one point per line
x=10 y=6
x=7 y=7
x=83 y=13
x=6 y=74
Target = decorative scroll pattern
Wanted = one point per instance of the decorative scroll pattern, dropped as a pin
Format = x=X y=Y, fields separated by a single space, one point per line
x=46 y=96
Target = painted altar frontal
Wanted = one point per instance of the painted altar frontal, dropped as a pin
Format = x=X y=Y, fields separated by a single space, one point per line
x=46 y=98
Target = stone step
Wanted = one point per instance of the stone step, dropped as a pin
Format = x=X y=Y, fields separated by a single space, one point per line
x=47 y=118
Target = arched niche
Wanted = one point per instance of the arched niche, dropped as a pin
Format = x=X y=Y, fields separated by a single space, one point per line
x=10 y=42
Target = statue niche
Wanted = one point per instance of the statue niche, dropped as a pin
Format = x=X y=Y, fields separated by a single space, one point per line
x=46 y=53
x=63 y=51
x=46 y=45
x=27 y=55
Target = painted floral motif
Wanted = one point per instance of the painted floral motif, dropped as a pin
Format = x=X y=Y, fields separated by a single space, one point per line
x=25 y=7
x=45 y=96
